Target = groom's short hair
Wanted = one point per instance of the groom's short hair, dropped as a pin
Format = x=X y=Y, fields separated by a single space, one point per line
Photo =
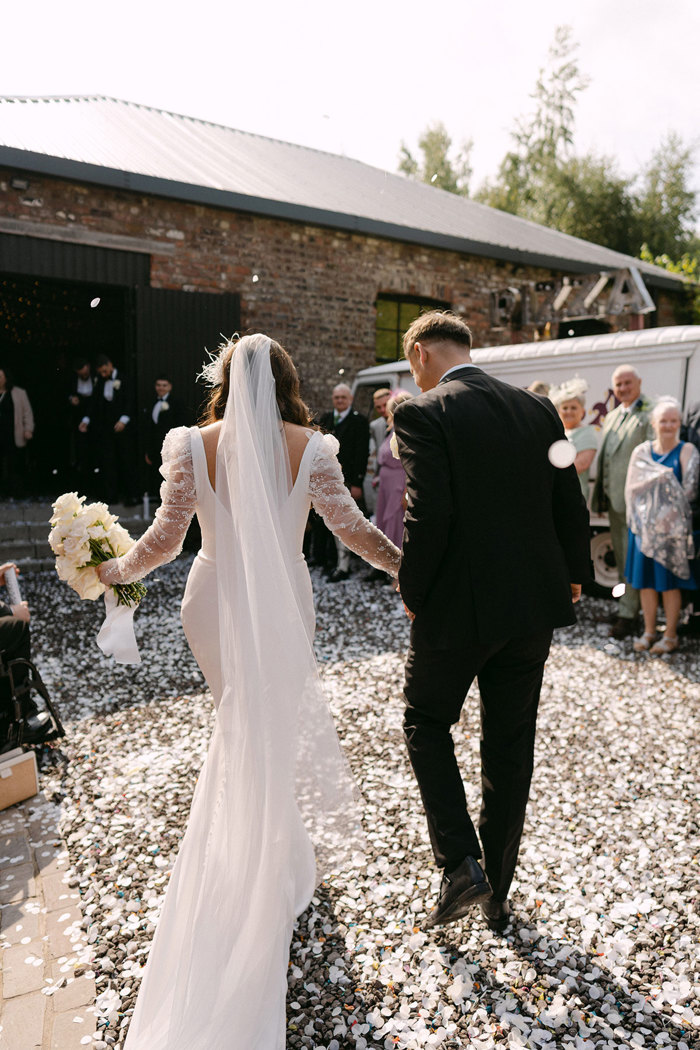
x=437 y=325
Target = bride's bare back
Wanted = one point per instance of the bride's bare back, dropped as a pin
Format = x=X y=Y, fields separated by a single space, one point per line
x=297 y=439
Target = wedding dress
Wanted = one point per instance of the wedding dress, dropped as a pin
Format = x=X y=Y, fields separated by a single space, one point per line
x=274 y=807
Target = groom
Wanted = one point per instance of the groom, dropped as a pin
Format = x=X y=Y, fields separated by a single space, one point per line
x=495 y=549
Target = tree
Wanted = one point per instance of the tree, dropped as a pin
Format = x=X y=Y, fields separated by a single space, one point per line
x=542 y=179
x=689 y=266
x=543 y=140
x=667 y=204
x=437 y=166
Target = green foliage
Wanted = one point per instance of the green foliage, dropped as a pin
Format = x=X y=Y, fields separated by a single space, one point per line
x=667 y=205
x=541 y=178
x=439 y=165
x=689 y=266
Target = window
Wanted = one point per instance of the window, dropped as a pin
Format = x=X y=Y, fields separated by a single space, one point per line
x=394 y=314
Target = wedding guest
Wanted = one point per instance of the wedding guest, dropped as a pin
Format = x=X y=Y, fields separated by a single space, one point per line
x=538 y=387
x=352 y=431
x=166 y=414
x=569 y=401
x=16 y=430
x=624 y=428
x=392 y=478
x=662 y=482
x=109 y=424
x=80 y=393
x=690 y=431
x=377 y=433
x=15 y=644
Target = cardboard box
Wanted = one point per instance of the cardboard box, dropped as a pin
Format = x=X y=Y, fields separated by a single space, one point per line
x=19 y=777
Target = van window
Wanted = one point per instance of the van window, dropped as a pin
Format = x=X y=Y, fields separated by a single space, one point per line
x=363 y=401
x=394 y=314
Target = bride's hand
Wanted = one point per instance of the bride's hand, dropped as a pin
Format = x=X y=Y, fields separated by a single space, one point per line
x=103 y=570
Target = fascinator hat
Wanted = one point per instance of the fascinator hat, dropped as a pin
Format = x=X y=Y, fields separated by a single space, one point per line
x=568 y=390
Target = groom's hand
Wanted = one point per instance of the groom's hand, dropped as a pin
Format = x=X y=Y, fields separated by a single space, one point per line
x=411 y=615
x=575 y=592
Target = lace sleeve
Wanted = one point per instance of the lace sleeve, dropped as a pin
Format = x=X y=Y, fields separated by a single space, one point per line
x=164 y=538
x=332 y=500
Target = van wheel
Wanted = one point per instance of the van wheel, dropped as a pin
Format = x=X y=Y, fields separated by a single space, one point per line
x=603 y=557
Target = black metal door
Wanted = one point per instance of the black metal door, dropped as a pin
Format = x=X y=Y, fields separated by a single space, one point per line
x=174 y=330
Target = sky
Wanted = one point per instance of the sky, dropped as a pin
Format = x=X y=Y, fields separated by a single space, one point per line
x=359 y=78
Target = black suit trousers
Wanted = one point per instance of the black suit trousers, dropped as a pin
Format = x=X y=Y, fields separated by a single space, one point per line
x=509 y=674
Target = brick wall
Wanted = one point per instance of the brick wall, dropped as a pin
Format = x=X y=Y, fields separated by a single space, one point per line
x=311 y=288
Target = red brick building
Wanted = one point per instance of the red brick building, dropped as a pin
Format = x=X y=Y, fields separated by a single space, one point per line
x=187 y=231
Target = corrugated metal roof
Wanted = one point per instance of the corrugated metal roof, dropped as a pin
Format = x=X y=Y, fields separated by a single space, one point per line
x=100 y=139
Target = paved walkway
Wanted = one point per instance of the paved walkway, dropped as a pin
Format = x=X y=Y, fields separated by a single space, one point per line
x=48 y=991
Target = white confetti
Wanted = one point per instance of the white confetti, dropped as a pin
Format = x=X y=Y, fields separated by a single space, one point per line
x=561 y=454
x=95 y=302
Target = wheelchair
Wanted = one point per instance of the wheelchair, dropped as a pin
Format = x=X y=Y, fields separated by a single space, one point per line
x=21 y=721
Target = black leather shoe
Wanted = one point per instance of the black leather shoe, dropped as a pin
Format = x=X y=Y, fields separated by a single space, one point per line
x=460 y=890
x=338 y=575
x=622 y=628
x=496 y=914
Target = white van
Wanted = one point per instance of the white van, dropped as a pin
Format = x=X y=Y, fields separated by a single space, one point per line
x=668 y=360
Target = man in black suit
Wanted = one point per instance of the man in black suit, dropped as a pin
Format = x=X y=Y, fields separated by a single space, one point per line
x=109 y=425
x=166 y=414
x=352 y=431
x=495 y=550
x=80 y=391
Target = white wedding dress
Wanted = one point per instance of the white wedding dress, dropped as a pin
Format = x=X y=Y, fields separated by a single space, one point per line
x=275 y=796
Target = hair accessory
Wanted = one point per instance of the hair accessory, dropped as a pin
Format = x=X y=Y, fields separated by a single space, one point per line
x=568 y=390
x=212 y=373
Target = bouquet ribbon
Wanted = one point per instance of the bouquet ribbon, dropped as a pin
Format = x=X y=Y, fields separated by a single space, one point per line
x=116 y=636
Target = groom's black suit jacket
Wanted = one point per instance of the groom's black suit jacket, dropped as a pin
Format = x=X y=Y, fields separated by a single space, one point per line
x=494 y=534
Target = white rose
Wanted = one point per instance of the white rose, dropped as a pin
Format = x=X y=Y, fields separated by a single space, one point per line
x=56 y=540
x=120 y=539
x=66 y=507
x=76 y=540
x=165 y=407
x=88 y=584
x=116 y=384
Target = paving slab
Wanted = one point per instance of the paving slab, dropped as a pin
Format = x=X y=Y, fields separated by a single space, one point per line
x=51 y=857
x=72 y=1029
x=21 y=974
x=75 y=992
x=23 y=1022
x=14 y=849
x=17 y=883
x=21 y=920
x=63 y=929
x=57 y=892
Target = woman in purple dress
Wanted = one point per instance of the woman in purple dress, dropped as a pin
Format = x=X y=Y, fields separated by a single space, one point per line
x=391 y=478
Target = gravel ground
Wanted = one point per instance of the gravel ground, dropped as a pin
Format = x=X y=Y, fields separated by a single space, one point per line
x=604 y=950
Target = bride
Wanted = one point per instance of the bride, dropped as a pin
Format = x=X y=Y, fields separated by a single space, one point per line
x=274 y=807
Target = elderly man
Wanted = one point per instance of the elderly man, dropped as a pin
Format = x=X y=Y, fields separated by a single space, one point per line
x=352 y=431
x=377 y=433
x=625 y=427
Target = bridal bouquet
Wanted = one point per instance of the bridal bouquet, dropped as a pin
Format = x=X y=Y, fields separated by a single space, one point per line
x=82 y=537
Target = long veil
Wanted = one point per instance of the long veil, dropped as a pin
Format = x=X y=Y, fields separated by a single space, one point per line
x=275 y=795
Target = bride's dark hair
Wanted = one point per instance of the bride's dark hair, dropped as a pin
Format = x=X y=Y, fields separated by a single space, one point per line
x=292 y=408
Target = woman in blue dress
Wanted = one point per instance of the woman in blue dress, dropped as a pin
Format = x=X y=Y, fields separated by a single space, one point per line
x=661 y=483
